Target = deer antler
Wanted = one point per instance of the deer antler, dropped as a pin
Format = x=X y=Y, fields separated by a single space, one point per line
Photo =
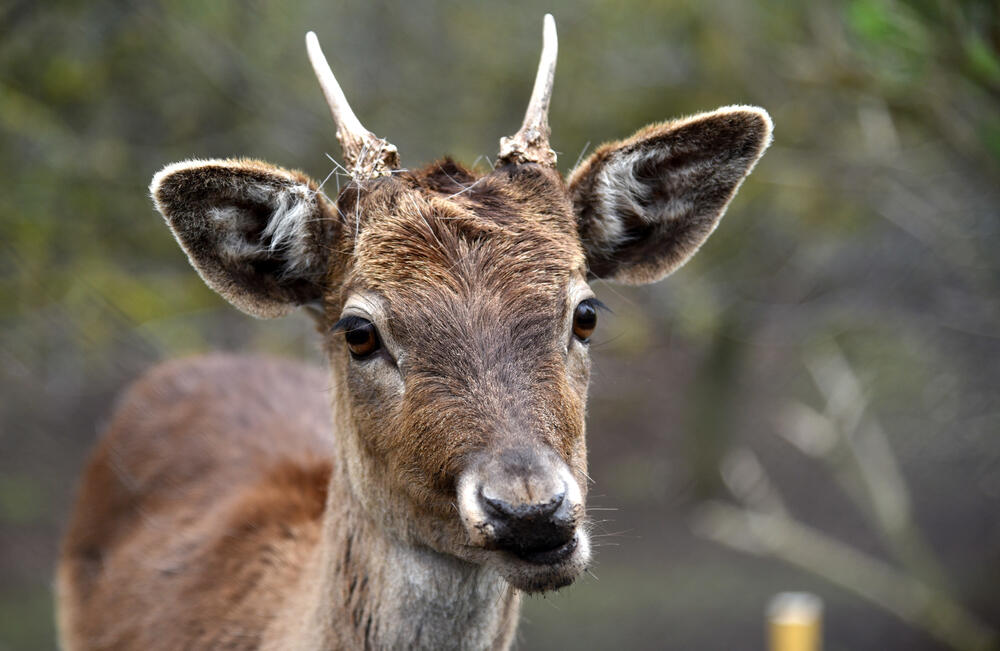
x=365 y=154
x=531 y=143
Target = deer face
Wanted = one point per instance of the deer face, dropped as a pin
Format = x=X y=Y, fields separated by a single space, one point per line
x=463 y=327
x=456 y=310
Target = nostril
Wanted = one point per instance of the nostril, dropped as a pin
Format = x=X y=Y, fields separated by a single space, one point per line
x=499 y=508
x=496 y=507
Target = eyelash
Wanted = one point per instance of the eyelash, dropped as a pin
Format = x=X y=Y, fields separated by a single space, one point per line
x=598 y=304
x=349 y=322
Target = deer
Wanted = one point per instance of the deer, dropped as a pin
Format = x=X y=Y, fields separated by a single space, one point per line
x=436 y=472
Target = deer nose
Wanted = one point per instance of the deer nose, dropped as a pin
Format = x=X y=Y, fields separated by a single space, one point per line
x=533 y=531
x=529 y=512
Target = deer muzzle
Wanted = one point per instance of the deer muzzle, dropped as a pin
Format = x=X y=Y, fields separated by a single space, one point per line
x=522 y=501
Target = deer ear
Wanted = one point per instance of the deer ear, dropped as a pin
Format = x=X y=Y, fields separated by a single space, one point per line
x=257 y=234
x=644 y=205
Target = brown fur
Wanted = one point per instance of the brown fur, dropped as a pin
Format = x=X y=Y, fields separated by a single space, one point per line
x=477 y=283
x=225 y=507
x=201 y=503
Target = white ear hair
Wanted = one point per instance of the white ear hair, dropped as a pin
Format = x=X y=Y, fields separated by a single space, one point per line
x=644 y=205
x=255 y=232
x=620 y=191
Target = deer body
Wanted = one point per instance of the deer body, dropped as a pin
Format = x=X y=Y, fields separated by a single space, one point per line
x=407 y=500
x=209 y=497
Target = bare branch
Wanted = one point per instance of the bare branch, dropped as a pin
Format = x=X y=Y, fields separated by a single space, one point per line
x=909 y=598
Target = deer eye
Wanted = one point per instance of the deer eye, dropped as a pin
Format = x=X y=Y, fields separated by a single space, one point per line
x=360 y=334
x=585 y=319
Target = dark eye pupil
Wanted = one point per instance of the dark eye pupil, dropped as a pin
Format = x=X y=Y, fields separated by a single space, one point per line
x=362 y=339
x=586 y=316
x=584 y=320
x=359 y=335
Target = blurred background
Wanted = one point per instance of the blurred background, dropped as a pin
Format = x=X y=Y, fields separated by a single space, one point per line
x=812 y=403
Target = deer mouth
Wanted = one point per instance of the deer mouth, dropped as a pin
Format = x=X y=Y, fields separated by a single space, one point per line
x=547 y=570
x=551 y=556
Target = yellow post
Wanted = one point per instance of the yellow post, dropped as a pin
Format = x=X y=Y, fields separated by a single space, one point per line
x=795 y=622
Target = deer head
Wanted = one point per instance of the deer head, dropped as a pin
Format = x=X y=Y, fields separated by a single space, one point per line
x=455 y=306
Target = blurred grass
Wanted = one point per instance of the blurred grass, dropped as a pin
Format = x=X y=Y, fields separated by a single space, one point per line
x=26 y=618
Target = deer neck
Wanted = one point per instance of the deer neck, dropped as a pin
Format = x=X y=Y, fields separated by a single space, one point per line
x=366 y=588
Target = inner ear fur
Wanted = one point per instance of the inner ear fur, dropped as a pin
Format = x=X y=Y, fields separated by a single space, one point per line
x=257 y=234
x=645 y=204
